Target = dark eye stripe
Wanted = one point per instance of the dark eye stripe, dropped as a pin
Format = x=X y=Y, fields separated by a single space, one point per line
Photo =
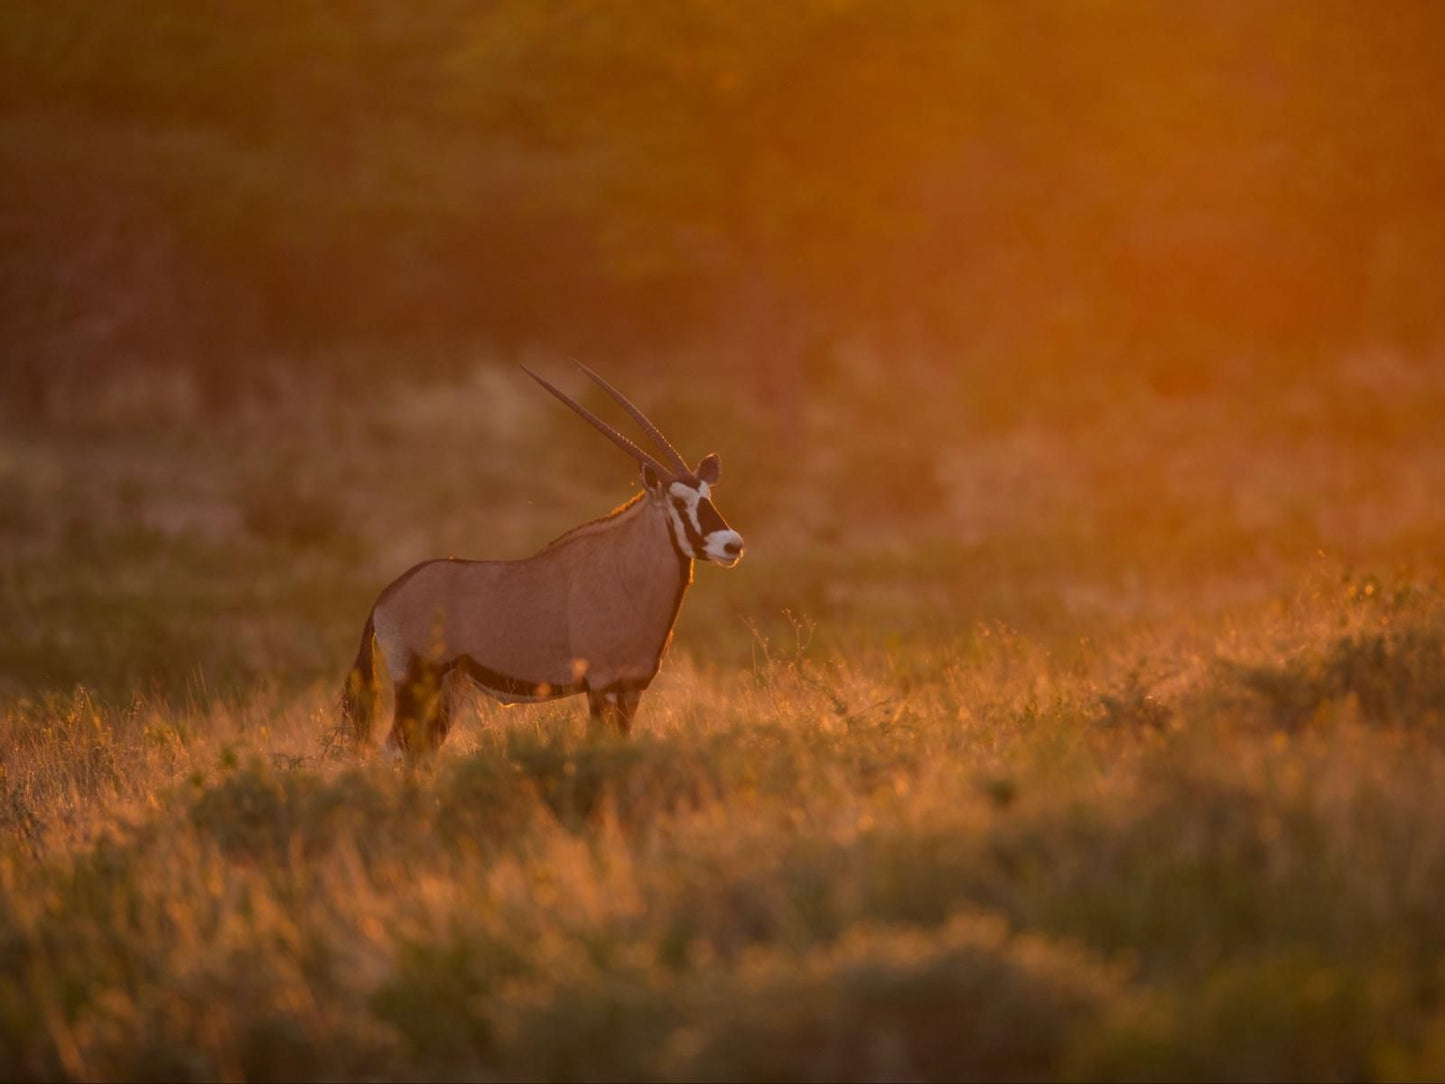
x=708 y=519
x=694 y=539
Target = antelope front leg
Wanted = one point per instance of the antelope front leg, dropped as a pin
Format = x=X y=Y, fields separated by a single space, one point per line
x=613 y=706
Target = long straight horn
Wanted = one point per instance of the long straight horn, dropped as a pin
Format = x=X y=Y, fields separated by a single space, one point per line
x=642 y=457
x=679 y=464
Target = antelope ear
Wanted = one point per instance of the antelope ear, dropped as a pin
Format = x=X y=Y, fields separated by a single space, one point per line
x=710 y=469
x=650 y=480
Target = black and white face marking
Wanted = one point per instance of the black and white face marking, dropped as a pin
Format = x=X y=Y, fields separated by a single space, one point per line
x=700 y=531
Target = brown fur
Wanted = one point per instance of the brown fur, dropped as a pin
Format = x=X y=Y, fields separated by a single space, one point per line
x=592 y=612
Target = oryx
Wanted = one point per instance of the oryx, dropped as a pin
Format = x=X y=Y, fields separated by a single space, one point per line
x=591 y=613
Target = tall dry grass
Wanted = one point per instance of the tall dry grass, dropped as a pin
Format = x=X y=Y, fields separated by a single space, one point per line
x=1071 y=756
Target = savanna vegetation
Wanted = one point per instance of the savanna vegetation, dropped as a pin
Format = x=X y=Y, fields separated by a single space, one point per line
x=1117 y=751
x=1078 y=710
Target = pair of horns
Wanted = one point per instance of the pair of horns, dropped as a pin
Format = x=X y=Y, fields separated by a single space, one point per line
x=679 y=465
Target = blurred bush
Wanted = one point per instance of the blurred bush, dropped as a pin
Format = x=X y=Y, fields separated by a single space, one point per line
x=967 y=1001
x=274 y=506
x=1392 y=678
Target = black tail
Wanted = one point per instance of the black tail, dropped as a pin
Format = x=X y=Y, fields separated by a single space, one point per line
x=358 y=698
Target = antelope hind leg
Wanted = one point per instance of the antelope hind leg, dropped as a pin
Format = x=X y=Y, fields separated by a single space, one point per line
x=422 y=715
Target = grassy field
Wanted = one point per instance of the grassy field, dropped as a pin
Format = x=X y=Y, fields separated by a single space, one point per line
x=1068 y=737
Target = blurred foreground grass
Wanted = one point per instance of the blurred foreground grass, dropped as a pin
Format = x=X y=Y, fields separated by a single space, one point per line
x=1095 y=743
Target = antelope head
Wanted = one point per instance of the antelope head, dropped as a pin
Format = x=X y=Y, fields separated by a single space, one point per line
x=698 y=528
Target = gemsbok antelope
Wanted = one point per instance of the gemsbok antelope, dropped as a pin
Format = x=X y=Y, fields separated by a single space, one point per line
x=591 y=613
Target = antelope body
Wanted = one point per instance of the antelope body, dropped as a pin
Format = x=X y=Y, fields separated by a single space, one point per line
x=591 y=613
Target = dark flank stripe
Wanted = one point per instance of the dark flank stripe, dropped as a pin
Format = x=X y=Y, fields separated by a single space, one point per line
x=508 y=685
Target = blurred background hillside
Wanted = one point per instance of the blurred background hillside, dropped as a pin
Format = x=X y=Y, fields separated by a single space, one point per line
x=1056 y=315
x=1187 y=195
